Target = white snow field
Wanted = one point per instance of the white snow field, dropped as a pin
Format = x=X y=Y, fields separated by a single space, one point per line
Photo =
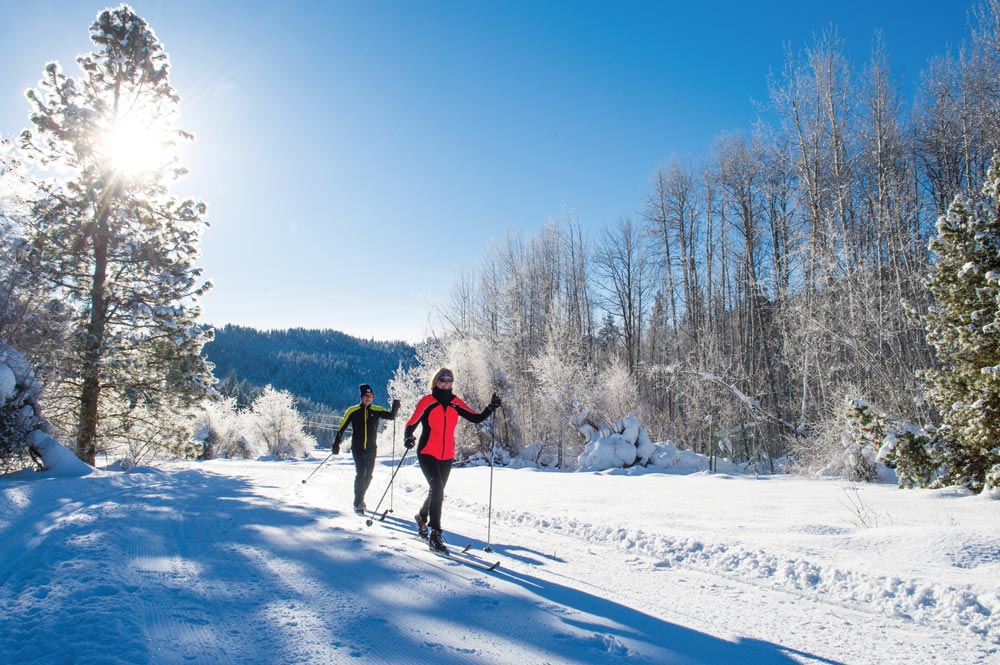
x=240 y=562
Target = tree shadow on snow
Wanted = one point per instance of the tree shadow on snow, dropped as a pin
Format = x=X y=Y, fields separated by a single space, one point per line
x=612 y=627
x=670 y=642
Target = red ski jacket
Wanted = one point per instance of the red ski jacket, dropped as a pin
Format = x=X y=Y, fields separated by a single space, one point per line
x=439 y=412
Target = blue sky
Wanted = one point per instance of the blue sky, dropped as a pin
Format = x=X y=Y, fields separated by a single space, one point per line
x=356 y=156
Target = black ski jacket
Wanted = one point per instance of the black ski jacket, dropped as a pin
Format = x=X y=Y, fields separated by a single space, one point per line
x=364 y=423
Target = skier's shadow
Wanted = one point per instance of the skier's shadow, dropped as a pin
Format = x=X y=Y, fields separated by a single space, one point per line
x=529 y=556
x=600 y=616
x=521 y=554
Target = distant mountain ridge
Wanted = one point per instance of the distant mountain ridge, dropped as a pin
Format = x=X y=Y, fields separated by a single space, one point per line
x=323 y=366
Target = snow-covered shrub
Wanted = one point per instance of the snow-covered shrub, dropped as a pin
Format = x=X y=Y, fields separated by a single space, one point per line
x=220 y=427
x=623 y=444
x=849 y=443
x=140 y=435
x=277 y=426
x=626 y=443
x=668 y=456
x=915 y=453
x=19 y=411
x=13 y=440
x=25 y=435
x=615 y=392
x=992 y=486
x=866 y=431
x=562 y=390
x=872 y=441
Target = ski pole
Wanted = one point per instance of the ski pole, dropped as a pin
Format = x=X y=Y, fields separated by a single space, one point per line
x=392 y=489
x=493 y=454
x=370 y=519
x=317 y=468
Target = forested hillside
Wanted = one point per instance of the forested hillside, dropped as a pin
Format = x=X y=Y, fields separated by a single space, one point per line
x=323 y=366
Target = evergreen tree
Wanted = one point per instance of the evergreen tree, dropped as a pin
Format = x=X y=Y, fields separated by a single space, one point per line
x=964 y=328
x=110 y=238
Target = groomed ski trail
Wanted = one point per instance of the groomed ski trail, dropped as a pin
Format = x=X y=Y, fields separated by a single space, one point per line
x=240 y=562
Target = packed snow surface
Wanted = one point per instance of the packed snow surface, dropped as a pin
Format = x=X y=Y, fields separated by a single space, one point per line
x=240 y=562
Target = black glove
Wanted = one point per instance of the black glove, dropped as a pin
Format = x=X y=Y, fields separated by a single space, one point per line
x=395 y=405
x=495 y=402
x=336 y=446
x=409 y=441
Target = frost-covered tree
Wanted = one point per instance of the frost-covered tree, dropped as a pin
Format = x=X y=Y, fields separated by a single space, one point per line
x=277 y=426
x=562 y=389
x=479 y=372
x=222 y=428
x=32 y=319
x=109 y=237
x=964 y=328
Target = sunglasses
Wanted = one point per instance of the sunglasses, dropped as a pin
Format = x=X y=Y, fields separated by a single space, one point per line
x=446 y=379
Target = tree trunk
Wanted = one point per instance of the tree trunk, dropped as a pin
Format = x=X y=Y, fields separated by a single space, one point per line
x=86 y=444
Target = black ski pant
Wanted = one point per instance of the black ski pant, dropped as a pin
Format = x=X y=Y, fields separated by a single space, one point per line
x=364 y=466
x=436 y=472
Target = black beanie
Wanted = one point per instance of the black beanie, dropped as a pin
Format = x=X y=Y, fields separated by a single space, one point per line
x=365 y=389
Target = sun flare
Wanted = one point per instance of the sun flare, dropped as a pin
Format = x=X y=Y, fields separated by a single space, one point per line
x=133 y=148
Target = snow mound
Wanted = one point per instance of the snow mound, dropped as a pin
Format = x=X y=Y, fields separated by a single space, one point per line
x=626 y=444
x=623 y=444
x=59 y=460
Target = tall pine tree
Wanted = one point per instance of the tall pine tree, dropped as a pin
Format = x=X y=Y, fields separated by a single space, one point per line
x=109 y=236
x=964 y=327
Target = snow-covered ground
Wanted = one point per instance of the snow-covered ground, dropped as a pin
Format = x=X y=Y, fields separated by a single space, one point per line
x=240 y=562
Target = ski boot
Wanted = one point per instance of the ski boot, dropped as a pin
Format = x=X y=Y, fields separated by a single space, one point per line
x=436 y=542
x=421 y=526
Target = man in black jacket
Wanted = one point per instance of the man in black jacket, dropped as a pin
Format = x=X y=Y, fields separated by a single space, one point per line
x=363 y=418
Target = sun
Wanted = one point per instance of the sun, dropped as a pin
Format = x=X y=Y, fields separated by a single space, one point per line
x=133 y=147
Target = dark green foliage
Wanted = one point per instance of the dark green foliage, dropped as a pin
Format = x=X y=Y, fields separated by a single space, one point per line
x=867 y=430
x=915 y=453
x=917 y=456
x=322 y=366
x=13 y=448
x=964 y=328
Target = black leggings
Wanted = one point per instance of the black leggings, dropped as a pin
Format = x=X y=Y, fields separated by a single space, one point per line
x=364 y=466
x=436 y=472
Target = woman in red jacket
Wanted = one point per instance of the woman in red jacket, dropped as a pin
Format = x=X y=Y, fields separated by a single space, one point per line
x=439 y=412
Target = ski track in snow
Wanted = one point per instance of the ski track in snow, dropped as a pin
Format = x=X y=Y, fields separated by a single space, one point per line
x=927 y=603
x=241 y=563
